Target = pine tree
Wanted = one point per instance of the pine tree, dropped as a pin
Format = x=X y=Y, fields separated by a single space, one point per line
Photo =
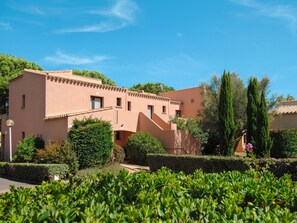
x=226 y=117
x=264 y=142
x=251 y=111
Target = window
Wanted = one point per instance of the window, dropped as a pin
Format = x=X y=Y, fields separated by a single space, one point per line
x=119 y=102
x=118 y=135
x=23 y=135
x=23 y=101
x=96 y=102
x=177 y=113
x=129 y=105
x=163 y=109
x=192 y=100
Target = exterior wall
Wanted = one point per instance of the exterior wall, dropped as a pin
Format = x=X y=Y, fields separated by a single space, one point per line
x=285 y=121
x=64 y=96
x=141 y=101
x=191 y=99
x=175 y=141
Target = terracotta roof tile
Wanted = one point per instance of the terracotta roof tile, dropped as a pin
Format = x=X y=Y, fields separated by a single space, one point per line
x=288 y=107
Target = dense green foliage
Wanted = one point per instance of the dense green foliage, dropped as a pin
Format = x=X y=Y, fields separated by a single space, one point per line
x=218 y=164
x=193 y=126
x=11 y=67
x=189 y=163
x=155 y=88
x=210 y=115
x=25 y=150
x=95 y=74
x=141 y=143
x=264 y=142
x=226 y=117
x=92 y=140
x=251 y=110
x=118 y=153
x=58 y=153
x=284 y=143
x=2 y=168
x=159 y=197
x=35 y=172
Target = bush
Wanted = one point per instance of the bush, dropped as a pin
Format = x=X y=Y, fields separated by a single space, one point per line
x=92 y=140
x=217 y=164
x=2 y=168
x=36 y=172
x=58 y=153
x=25 y=150
x=189 y=163
x=156 y=197
x=284 y=143
x=118 y=153
x=140 y=144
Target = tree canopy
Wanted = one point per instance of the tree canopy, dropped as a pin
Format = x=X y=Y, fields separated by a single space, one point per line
x=155 y=88
x=210 y=117
x=95 y=74
x=227 y=127
x=11 y=67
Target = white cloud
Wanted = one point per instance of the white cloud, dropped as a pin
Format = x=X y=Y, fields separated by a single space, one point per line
x=63 y=58
x=99 y=28
x=122 y=9
x=119 y=15
x=5 y=26
x=284 y=12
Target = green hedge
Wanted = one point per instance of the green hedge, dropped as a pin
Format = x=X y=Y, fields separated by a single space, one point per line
x=36 y=172
x=2 y=168
x=217 y=164
x=284 y=143
x=92 y=140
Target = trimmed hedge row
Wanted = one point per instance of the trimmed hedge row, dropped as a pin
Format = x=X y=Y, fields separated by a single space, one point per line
x=216 y=164
x=34 y=172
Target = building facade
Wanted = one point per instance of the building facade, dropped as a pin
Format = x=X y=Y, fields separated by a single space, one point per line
x=45 y=103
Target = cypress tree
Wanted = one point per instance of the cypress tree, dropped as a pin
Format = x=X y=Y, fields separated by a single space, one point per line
x=264 y=142
x=226 y=117
x=251 y=111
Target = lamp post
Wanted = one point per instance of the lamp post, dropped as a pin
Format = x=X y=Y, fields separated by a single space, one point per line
x=9 y=124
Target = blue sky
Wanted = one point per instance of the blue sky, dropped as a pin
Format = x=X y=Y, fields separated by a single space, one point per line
x=181 y=43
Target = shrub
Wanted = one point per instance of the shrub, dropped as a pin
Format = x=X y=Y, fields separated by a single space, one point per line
x=156 y=197
x=217 y=164
x=92 y=140
x=2 y=168
x=58 y=153
x=36 y=172
x=25 y=150
x=118 y=153
x=140 y=144
x=284 y=143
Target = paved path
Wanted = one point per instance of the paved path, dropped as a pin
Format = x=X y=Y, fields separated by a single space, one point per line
x=134 y=168
x=5 y=184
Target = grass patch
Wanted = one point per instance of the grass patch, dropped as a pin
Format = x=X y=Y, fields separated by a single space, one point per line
x=111 y=168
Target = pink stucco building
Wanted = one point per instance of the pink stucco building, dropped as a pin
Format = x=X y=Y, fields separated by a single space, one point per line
x=46 y=103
